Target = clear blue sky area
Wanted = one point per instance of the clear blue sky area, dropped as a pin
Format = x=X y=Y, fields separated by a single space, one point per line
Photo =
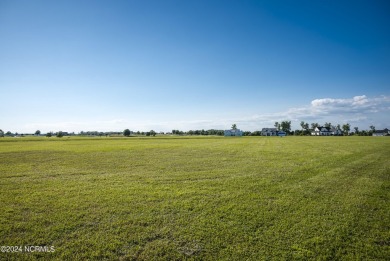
x=163 y=65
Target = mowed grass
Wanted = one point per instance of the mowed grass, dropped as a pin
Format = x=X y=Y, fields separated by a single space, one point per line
x=203 y=198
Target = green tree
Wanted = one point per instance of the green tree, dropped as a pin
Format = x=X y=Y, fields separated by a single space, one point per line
x=286 y=126
x=38 y=132
x=346 y=128
x=49 y=134
x=314 y=125
x=277 y=125
x=307 y=132
x=1 y=133
x=328 y=124
x=356 y=130
x=234 y=127
x=372 y=130
x=126 y=132
x=59 y=134
x=152 y=133
x=305 y=128
x=302 y=125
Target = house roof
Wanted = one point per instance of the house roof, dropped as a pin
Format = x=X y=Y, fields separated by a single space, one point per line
x=323 y=127
x=269 y=129
x=381 y=131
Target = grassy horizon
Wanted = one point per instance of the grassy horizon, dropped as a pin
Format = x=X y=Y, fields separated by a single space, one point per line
x=196 y=197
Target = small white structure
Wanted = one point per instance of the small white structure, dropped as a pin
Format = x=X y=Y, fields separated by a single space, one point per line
x=269 y=132
x=326 y=131
x=236 y=132
x=378 y=133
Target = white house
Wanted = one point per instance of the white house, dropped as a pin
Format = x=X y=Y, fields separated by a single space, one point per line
x=236 y=132
x=384 y=132
x=326 y=131
x=269 y=132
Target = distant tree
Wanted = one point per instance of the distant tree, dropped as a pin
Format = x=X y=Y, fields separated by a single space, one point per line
x=302 y=125
x=314 y=125
x=363 y=133
x=346 y=128
x=328 y=124
x=152 y=133
x=305 y=129
x=286 y=126
x=371 y=131
x=8 y=133
x=234 y=127
x=299 y=132
x=256 y=133
x=49 y=134
x=356 y=130
x=176 y=132
x=59 y=134
x=277 y=125
x=126 y=132
x=38 y=132
x=1 y=133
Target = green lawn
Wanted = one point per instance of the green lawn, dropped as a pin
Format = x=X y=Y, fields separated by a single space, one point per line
x=203 y=198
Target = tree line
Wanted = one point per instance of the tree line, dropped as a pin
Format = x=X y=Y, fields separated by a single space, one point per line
x=306 y=129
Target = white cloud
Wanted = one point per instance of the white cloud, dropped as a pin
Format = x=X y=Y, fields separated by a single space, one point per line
x=360 y=110
x=355 y=102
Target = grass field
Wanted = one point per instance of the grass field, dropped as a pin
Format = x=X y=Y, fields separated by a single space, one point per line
x=204 y=198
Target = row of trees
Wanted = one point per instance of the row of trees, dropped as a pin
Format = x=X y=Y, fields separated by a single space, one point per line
x=345 y=128
x=127 y=133
x=306 y=129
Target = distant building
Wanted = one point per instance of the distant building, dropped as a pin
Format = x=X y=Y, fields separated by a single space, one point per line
x=326 y=131
x=269 y=132
x=384 y=132
x=236 y=132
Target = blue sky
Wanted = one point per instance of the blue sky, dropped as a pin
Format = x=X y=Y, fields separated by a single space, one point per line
x=163 y=65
